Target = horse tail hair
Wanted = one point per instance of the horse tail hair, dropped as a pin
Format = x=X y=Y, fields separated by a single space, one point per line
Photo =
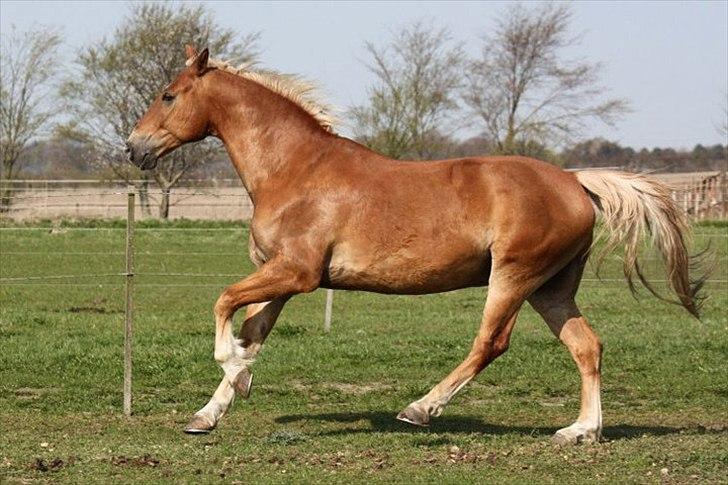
x=634 y=206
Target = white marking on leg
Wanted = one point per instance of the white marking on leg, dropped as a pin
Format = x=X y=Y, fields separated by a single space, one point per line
x=219 y=403
x=229 y=352
x=239 y=359
x=588 y=427
x=593 y=418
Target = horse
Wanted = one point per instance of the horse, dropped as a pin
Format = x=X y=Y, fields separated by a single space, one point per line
x=331 y=213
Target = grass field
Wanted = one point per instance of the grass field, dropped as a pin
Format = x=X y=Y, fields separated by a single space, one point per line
x=323 y=406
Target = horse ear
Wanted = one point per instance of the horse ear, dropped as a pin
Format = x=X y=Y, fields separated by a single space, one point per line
x=190 y=52
x=200 y=63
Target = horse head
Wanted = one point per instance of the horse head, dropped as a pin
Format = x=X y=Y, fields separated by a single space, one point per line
x=178 y=115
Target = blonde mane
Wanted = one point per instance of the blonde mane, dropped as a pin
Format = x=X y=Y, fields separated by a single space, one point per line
x=295 y=88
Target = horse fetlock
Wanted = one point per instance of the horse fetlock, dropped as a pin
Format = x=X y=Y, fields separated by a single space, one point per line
x=233 y=365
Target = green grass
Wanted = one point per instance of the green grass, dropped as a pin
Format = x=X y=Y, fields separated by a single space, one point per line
x=323 y=406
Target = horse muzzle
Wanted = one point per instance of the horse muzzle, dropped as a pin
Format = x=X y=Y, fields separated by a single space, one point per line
x=141 y=152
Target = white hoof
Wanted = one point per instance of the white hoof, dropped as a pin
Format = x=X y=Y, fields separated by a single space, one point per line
x=199 y=425
x=577 y=433
x=414 y=415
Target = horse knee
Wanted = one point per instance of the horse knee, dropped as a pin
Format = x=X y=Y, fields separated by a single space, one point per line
x=223 y=308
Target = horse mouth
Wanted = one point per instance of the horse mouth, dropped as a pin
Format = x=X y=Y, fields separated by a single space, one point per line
x=145 y=160
x=148 y=161
x=142 y=152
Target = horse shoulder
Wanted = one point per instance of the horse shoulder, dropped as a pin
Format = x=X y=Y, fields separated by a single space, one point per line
x=291 y=228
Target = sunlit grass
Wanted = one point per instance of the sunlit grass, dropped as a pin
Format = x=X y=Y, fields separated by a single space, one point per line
x=323 y=405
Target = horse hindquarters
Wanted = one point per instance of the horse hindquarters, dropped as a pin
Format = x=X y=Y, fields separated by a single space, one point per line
x=536 y=233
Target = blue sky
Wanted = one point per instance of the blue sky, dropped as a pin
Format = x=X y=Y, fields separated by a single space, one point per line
x=670 y=59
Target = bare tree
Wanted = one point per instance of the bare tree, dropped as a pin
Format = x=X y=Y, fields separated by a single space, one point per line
x=118 y=79
x=29 y=65
x=409 y=109
x=523 y=90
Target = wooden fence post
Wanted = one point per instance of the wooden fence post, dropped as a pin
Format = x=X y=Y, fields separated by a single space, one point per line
x=129 y=308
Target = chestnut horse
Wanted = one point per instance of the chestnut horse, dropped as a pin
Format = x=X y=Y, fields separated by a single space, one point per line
x=330 y=213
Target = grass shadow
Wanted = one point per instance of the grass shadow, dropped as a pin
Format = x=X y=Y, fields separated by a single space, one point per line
x=628 y=431
x=384 y=421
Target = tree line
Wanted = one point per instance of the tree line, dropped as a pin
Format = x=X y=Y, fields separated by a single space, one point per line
x=522 y=94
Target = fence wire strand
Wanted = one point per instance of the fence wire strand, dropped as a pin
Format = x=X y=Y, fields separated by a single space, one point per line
x=104 y=194
x=59 y=277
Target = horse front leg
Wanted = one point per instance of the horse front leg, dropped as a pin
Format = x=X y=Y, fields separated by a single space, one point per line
x=259 y=321
x=499 y=317
x=275 y=281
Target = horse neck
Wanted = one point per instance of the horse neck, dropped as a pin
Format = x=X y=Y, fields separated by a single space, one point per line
x=270 y=140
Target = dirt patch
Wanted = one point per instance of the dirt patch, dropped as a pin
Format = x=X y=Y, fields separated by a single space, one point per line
x=379 y=461
x=454 y=455
x=369 y=459
x=43 y=466
x=89 y=309
x=98 y=306
x=328 y=460
x=30 y=393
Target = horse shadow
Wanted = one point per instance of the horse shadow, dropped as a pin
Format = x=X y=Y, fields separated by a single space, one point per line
x=385 y=422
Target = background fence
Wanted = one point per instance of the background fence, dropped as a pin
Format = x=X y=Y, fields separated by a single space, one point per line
x=51 y=199
x=703 y=195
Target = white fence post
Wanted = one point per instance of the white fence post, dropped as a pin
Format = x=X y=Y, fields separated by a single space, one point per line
x=329 y=308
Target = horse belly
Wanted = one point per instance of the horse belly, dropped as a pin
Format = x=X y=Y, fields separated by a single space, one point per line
x=408 y=270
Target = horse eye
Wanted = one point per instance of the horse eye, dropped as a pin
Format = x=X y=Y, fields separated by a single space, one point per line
x=167 y=97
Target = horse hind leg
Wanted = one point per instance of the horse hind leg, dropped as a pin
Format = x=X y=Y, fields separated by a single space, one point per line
x=259 y=320
x=555 y=303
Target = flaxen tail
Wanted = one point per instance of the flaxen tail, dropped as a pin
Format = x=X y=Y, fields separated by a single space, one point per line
x=634 y=206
